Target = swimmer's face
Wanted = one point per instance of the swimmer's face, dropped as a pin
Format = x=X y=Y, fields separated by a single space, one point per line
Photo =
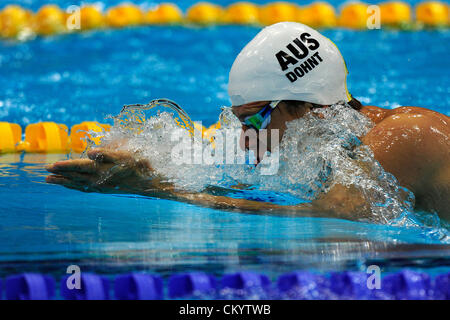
x=280 y=115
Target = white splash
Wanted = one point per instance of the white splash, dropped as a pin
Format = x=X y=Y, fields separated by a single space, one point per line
x=317 y=152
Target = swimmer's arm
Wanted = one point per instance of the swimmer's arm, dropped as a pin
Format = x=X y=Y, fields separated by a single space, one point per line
x=115 y=171
x=437 y=196
x=345 y=202
x=242 y=205
x=340 y=202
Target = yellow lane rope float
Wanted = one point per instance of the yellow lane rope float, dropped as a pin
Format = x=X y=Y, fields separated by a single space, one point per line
x=45 y=137
x=10 y=135
x=164 y=14
x=20 y=23
x=205 y=13
x=278 y=12
x=242 y=13
x=79 y=135
x=49 y=20
x=91 y=18
x=124 y=15
x=354 y=16
x=395 y=13
x=433 y=14
x=51 y=137
x=15 y=21
x=48 y=137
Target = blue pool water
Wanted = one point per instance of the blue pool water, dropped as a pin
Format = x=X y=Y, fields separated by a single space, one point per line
x=70 y=79
x=87 y=77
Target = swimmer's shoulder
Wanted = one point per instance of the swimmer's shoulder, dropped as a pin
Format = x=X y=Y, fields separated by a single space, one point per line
x=377 y=114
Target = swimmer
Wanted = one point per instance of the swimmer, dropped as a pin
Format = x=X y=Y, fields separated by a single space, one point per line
x=286 y=72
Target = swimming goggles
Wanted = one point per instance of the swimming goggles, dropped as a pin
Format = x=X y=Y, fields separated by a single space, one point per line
x=261 y=119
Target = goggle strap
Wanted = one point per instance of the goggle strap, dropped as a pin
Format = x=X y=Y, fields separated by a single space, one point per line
x=266 y=122
x=260 y=120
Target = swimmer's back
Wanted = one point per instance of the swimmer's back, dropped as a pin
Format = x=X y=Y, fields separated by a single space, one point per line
x=413 y=144
x=377 y=114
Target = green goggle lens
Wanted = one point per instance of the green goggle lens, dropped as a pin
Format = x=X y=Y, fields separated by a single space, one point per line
x=255 y=121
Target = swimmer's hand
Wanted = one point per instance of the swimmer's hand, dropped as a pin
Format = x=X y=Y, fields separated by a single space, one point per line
x=107 y=171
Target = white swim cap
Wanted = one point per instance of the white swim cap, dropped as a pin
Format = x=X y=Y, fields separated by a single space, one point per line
x=289 y=61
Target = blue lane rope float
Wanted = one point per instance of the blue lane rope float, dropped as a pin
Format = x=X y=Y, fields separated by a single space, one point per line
x=350 y=285
x=92 y=287
x=138 y=286
x=404 y=284
x=245 y=284
x=442 y=287
x=191 y=284
x=407 y=285
x=29 y=286
x=302 y=285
